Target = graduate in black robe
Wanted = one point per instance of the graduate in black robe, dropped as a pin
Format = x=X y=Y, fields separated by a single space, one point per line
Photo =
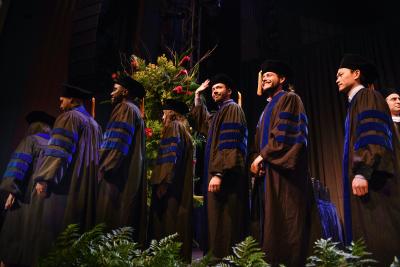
x=283 y=204
x=371 y=185
x=67 y=175
x=122 y=199
x=172 y=179
x=19 y=227
x=226 y=182
x=392 y=97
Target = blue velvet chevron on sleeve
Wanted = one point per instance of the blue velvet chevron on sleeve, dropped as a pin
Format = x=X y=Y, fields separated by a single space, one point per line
x=18 y=166
x=118 y=136
x=169 y=151
x=233 y=136
x=373 y=132
x=62 y=144
x=294 y=130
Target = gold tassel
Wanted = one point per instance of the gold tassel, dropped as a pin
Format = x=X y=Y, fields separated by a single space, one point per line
x=93 y=107
x=142 y=107
x=240 y=99
x=371 y=86
x=259 y=87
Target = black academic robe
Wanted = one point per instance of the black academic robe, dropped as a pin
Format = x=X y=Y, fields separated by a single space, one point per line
x=225 y=154
x=283 y=206
x=397 y=130
x=122 y=199
x=69 y=167
x=172 y=213
x=19 y=229
x=370 y=150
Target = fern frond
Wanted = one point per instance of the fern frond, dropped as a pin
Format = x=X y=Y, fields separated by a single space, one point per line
x=247 y=253
x=327 y=254
x=359 y=255
x=61 y=254
x=395 y=263
x=161 y=253
x=202 y=262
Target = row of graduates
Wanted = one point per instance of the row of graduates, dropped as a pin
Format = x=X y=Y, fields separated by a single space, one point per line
x=73 y=173
x=76 y=184
x=66 y=171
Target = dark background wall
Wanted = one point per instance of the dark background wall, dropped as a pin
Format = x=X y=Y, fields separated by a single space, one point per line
x=43 y=43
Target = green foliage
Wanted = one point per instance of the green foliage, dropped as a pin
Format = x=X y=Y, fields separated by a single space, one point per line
x=198 y=201
x=153 y=141
x=327 y=254
x=245 y=254
x=395 y=262
x=359 y=255
x=114 y=249
x=161 y=253
x=95 y=248
x=202 y=262
x=71 y=247
x=170 y=77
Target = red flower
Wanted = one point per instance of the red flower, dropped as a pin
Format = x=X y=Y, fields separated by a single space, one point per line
x=114 y=76
x=182 y=72
x=189 y=92
x=178 y=89
x=148 y=132
x=134 y=64
x=184 y=60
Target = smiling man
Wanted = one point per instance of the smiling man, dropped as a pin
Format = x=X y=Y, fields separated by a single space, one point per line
x=122 y=181
x=282 y=198
x=226 y=185
x=370 y=168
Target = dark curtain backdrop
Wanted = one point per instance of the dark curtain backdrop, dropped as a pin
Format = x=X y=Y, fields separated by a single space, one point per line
x=315 y=65
x=34 y=51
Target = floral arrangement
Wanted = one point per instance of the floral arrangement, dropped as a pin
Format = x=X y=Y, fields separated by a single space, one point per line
x=169 y=77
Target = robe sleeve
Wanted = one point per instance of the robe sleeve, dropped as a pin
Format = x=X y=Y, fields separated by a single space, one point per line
x=117 y=139
x=373 y=145
x=287 y=138
x=18 y=167
x=231 y=143
x=169 y=153
x=61 y=148
x=201 y=119
x=254 y=148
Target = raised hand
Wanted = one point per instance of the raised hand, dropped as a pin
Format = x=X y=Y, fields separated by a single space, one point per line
x=203 y=86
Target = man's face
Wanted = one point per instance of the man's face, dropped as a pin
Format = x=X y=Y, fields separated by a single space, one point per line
x=118 y=93
x=271 y=81
x=346 y=79
x=393 y=101
x=164 y=116
x=65 y=103
x=220 y=92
